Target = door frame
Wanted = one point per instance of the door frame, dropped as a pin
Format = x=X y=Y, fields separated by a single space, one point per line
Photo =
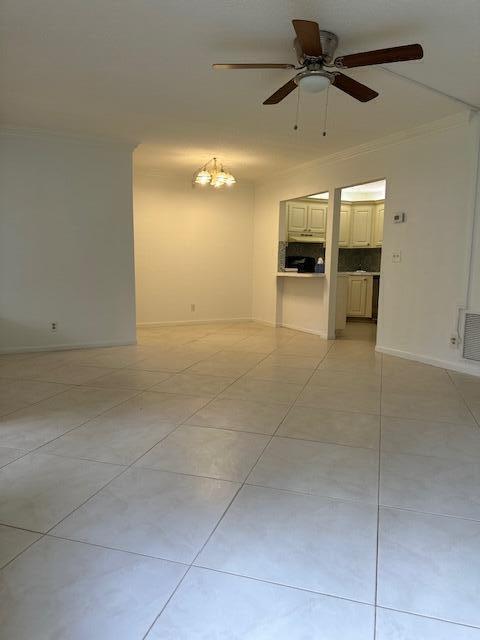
x=332 y=249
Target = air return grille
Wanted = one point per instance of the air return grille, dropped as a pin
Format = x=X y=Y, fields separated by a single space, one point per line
x=471 y=336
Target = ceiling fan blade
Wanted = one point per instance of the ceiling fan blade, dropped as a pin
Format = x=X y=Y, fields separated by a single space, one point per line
x=281 y=93
x=380 y=56
x=249 y=65
x=308 y=34
x=353 y=88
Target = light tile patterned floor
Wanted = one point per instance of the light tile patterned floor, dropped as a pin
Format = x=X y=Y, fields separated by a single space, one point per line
x=238 y=482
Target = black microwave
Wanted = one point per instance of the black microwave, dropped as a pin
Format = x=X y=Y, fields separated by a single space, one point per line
x=304 y=264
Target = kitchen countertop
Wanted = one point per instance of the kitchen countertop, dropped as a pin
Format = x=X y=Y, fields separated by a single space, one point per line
x=292 y=274
x=358 y=273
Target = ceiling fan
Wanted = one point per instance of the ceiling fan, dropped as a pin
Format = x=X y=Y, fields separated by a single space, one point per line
x=315 y=49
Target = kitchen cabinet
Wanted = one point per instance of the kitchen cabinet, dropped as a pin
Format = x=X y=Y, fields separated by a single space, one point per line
x=360 y=289
x=341 y=304
x=361 y=225
x=317 y=218
x=377 y=225
x=304 y=217
x=344 y=231
x=297 y=217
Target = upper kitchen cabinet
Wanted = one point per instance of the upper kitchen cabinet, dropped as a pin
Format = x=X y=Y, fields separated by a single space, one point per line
x=361 y=225
x=317 y=218
x=377 y=224
x=307 y=219
x=297 y=217
x=344 y=232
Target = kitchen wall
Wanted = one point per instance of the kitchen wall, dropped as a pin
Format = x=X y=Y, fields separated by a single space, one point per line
x=430 y=176
x=66 y=242
x=192 y=246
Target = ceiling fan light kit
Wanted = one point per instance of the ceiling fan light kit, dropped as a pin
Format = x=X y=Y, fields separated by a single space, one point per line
x=214 y=175
x=313 y=81
x=317 y=66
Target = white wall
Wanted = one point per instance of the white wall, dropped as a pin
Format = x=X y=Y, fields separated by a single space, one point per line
x=429 y=175
x=302 y=303
x=192 y=246
x=66 y=242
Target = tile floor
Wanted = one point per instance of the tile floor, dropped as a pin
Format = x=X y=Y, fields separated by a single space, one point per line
x=238 y=482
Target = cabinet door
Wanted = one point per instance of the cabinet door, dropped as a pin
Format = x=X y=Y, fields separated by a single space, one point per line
x=377 y=232
x=317 y=218
x=344 y=232
x=342 y=301
x=361 y=225
x=357 y=296
x=297 y=217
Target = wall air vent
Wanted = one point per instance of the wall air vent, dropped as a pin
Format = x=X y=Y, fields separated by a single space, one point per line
x=471 y=336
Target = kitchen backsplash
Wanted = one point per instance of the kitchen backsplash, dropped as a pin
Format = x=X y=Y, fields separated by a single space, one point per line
x=348 y=259
x=282 y=250
x=353 y=259
x=307 y=249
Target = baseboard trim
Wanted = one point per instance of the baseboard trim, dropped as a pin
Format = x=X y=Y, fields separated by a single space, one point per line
x=321 y=334
x=172 y=323
x=267 y=323
x=459 y=367
x=67 y=346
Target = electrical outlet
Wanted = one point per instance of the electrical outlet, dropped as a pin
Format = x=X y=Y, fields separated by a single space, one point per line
x=396 y=256
x=454 y=339
x=53 y=326
x=192 y=308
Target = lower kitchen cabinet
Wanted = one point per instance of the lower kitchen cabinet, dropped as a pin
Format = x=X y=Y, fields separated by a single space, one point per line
x=359 y=301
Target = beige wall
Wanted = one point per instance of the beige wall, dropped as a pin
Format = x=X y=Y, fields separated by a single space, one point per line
x=429 y=175
x=66 y=242
x=192 y=246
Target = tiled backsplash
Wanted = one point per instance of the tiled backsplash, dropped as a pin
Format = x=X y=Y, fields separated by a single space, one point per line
x=348 y=259
x=353 y=259
x=282 y=250
x=307 y=249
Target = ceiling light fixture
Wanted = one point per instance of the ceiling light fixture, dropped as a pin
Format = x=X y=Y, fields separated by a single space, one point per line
x=313 y=81
x=213 y=174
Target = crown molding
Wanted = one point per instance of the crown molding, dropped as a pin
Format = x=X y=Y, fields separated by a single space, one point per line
x=443 y=124
x=76 y=138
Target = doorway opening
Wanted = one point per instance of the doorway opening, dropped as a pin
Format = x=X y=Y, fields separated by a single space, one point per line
x=360 y=239
x=302 y=251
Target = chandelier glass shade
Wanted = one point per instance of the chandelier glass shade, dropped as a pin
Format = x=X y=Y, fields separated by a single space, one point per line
x=214 y=174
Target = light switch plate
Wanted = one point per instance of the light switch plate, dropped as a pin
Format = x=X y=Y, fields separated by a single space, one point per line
x=396 y=256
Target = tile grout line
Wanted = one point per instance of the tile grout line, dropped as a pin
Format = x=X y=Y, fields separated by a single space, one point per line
x=124 y=469
x=477 y=422
x=378 y=503
x=228 y=506
x=178 y=426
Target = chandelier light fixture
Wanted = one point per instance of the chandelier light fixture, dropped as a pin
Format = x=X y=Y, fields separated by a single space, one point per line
x=214 y=174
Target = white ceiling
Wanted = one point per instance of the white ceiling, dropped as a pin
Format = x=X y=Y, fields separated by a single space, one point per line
x=140 y=71
x=366 y=191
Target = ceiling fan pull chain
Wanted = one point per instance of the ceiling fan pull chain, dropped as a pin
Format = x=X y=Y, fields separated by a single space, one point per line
x=295 y=126
x=325 y=114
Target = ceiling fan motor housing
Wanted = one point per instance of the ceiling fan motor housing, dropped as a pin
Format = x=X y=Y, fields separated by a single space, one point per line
x=329 y=42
